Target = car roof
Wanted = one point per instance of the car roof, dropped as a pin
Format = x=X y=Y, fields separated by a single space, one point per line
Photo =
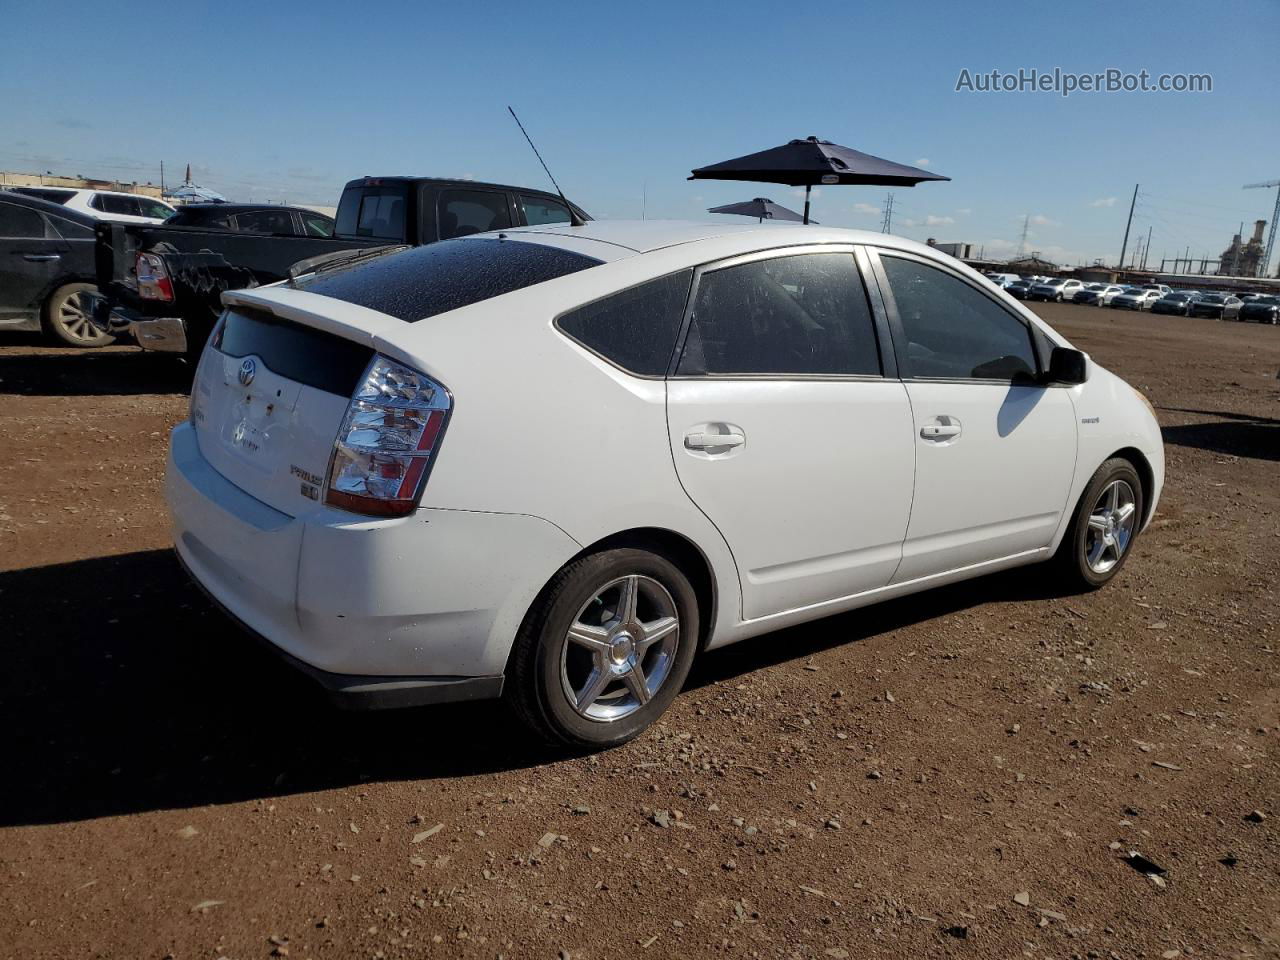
x=616 y=239
x=49 y=207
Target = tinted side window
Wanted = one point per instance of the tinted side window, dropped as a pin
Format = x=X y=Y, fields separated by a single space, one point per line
x=153 y=208
x=952 y=330
x=805 y=314
x=120 y=206
x=20 y=222
x=464 y=212
x=538 y=211
x=636 y=328
x=317 y=225
x=71 y=230
x=265 y=221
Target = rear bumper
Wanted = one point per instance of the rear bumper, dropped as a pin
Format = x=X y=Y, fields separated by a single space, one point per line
x=362 y=692
x=419 y=609
x=162 y=334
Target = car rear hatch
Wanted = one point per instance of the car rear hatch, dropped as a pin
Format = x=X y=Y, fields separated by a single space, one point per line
x=271 y=392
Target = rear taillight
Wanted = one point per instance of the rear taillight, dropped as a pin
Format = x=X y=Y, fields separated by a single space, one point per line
x=388 y=441
x=153 y=278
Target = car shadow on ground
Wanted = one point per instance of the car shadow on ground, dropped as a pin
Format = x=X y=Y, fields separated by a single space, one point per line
x=68 y=372
x=125 y=691
x=1232 y=434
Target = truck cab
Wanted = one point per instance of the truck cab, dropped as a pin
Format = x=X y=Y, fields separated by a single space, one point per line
x=162 y=286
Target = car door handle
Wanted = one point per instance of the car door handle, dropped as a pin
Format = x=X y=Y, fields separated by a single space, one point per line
x=41 y=257
x=703 y=441
x=941 y=429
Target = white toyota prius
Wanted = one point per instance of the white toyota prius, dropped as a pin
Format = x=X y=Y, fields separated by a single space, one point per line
x=557 y=463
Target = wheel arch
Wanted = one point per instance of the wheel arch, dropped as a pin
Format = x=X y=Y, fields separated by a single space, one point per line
x=677 y=548
x=1145 y=473
x=681 y=551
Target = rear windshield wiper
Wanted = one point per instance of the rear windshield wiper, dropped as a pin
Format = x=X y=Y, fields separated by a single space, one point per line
x=339 y=258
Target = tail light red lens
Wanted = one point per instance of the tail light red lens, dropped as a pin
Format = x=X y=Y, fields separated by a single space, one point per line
x=388 y=441
x=153 y=278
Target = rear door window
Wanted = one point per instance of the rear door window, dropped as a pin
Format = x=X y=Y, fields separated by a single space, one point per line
x=463 y=212
x=278 y=222
x=540 y=210
x=804 y=315
x=117 y=205
x=635 y=329
x=377 y=212
x=20 y=223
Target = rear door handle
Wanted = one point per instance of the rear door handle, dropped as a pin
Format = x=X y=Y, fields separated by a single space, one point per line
x=703 y=441
x=941 y=429
x=41 y=257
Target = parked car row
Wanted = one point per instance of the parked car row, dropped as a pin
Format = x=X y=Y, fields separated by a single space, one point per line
x=1153 y=297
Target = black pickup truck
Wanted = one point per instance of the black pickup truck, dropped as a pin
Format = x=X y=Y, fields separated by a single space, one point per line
x=162 y=285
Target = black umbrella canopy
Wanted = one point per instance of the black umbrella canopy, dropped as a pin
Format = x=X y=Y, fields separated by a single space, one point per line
x=809 y=162
x=762 y=208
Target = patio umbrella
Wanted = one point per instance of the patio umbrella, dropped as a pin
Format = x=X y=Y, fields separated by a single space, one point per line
x=761 y=208
x=804 y=163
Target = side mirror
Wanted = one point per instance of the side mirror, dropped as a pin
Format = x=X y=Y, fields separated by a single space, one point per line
x=1067 y=367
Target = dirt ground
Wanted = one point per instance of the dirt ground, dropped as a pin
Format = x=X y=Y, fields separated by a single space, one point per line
x=960 y=774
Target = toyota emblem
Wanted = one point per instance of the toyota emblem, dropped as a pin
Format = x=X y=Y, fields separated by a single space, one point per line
x=248 y=370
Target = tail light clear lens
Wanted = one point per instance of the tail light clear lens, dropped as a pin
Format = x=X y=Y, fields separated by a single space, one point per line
x=153 y=278
x=388 y=441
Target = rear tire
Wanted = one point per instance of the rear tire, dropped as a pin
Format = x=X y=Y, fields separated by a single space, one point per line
x=585 y=672
x=1106 y=523
x=65 y=319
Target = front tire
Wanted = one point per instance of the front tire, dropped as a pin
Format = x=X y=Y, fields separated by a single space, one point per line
x=65 y=319
x=605 y=648
x=1106 y=522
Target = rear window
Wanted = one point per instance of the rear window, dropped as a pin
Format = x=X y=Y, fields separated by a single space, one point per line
x=373 y=212
x=444 y=276
x=304 y=354
x=637 y=328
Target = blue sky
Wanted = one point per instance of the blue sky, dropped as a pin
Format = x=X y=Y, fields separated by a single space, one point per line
x=288 y=101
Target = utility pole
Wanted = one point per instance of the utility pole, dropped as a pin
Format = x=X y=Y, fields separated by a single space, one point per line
x=1022 y=244
x=1129 y=223
x=1146 y=248
x=886 y=222
x=162 y=178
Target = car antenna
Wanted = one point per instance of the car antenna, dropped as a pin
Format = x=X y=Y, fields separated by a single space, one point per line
x=575 y=219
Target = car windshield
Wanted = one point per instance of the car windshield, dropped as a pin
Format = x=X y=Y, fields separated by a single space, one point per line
x=1214 y=297
x=1176 y=296
x=1270 y=301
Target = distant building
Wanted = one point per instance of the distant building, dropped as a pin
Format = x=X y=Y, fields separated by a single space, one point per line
x=1243 y=259
x=961 y=251
x=8 y=179
x=1031 y=264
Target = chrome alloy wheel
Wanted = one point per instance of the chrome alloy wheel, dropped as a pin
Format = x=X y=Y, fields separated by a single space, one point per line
x=73 y=317
x=620 y=648
x=1111 y=524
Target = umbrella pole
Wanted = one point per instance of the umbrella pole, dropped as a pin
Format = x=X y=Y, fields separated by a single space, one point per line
x=807 y=188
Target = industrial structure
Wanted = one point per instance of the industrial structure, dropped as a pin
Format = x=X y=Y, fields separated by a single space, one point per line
x=1245 y=259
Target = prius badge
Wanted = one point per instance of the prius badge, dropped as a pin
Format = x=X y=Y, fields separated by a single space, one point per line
x=248 y=370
